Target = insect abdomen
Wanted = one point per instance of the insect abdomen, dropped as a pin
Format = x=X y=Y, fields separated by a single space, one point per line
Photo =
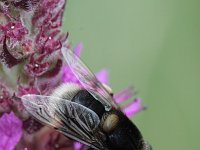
x=126 y=135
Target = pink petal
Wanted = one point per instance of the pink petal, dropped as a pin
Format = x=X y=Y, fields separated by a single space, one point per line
x=10 y=131
x=131 y=109
x=78 y=49
x=77 y=146
x=103 y=76
x=124 y=95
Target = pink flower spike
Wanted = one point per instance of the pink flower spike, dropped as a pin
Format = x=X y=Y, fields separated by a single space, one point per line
x=78 y=49
x=103 y=76
x=10 y=131
x=131 y=109
x=124 y=95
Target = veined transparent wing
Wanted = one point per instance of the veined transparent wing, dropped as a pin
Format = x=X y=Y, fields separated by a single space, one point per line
x=73 y=120
x=88 y=79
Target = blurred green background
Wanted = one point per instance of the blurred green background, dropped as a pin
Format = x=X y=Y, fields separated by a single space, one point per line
x=155 y=46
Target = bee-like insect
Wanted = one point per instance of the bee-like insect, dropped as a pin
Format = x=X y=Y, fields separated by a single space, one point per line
x=87 y=112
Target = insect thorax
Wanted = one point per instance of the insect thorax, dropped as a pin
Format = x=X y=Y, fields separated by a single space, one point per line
x=84 y=98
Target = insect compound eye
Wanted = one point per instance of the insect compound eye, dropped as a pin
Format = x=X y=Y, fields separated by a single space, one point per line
x=110 y=123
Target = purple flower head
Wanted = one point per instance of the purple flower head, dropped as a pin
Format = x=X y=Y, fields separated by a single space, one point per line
x=10 y=131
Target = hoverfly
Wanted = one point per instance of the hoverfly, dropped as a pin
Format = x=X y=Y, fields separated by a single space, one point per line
x=86 y=113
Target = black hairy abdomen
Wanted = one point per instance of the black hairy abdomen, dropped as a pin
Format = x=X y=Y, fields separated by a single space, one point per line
x=126 y=135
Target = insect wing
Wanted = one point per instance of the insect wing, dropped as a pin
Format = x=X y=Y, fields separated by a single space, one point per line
x=88 y=79
x=73 y=120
